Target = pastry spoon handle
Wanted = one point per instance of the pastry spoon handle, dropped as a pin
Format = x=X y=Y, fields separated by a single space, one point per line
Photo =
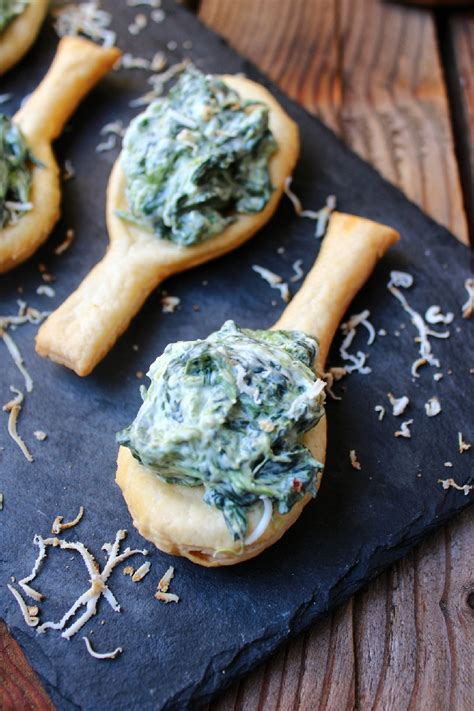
x=349 y=252
x=85 y=327
x=77 y=66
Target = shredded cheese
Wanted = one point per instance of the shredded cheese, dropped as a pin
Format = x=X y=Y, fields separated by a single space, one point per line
x=14 y=410
x=59 y=526
x=102 y=655
x=463 y=446
x=450 y=483
x=381 y=412
x=40 y=435
x=165 y=581
x=138 y=24
x=30 y=620
x=162 y=593
x=158 y=82
x=66 y=243
x=17 y=359
x=321 y=216
x=399 y=404
x=140 y=573
x=46 y=290
x=298 y=272
x=264 y=522
x=349 y=329
x=404 y=430
x=69 y=173
x=448 y=464
x=169 y=304
x=84 y=19
x=273 y=280
x=98 y=580
x=354 y=461
x=433 y=406
x=402 y=280
x=434 y=315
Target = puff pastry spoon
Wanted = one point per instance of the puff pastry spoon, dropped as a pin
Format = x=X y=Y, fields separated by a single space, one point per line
x=85 y=327
x=175 y=517
x=77 y=66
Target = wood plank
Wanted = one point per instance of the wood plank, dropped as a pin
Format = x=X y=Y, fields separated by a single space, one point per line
x=372 y=73
x=19 y=685
x=460 y=74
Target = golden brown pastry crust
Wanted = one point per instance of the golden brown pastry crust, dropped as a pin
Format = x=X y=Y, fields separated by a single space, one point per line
x=77 y=67
x=175 y=518
x=20 y=34
x=85 y=327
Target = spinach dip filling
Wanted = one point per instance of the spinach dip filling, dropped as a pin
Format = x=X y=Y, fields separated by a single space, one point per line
x=9 y=9
x=15 y=172
x=196 y=159
x=228 y=412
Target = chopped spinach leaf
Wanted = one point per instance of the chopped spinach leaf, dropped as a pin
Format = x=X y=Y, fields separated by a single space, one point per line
x=228 y=413
x=9 y=9
x=15 y=172
x=196 y=159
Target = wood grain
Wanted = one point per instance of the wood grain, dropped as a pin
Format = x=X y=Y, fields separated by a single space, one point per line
x=369 y=70
x=460 y=59
x=372 y=72
x=20 y=689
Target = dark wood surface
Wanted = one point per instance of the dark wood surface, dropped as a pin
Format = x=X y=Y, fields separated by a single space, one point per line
x=396 y=83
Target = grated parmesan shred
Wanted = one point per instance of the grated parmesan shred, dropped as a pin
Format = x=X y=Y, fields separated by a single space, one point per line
x=434 y=315
x=101 y=655
x=98 y=580
x=46 y=290
x=14 y=411
x=403 y=280
x=165 y=581
x=349 y=329
x=169 y=304
x=321 y=216
x=433 y=406
x=381 y=412
x=17 y=359
x=273 y=280
x=139 y=23
x=158 y=82
x=140 y=573
x=66 y=243
x=298 y=271
x=354 y=461
x=404 y=430
x=85 y=19
x=463 y=446
x=59 y=526
x=264 y=522
x=399 y=404
x=468 y=307
x=30 y=620
x=451 y=484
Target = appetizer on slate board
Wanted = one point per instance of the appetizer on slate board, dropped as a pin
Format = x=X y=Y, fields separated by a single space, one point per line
x=230 y=441
x=30 y=191
x=200 y=172
x=20 y=22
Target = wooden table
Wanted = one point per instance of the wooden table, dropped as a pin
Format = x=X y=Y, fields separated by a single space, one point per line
x=396 y=84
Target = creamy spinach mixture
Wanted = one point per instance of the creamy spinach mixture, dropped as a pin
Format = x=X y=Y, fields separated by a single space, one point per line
x=196 y=159
x=15 y=172
x=228 y=412
x=9 y=9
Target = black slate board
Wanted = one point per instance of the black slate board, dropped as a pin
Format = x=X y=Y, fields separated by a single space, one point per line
x=228 y=620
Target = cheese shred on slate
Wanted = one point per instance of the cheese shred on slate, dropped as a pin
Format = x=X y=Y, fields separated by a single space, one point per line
x=101 y=655
x=229 y=413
